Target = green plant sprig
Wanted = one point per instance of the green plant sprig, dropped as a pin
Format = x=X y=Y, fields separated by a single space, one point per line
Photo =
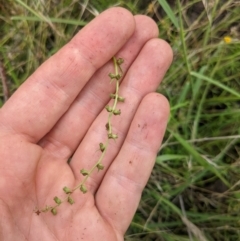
x=112 y=110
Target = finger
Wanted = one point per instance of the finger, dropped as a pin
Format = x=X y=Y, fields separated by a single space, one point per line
x=95 y=95
x=142 y=78
x=120 y=192
x=48 y=93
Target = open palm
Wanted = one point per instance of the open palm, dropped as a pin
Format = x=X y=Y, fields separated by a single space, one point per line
x=50 y=129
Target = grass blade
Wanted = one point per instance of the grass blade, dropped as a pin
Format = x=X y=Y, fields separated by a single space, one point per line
x=53 y=20
x=191 y=150
x=169 y=157
x=215 y=82
x=169 y=12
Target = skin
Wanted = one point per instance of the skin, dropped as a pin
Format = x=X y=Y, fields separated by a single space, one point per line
x=59 y=113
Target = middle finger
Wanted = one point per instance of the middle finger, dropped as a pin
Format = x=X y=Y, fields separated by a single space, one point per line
x=66 y=135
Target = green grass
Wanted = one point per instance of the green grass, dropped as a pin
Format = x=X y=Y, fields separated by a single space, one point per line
x=193 y=192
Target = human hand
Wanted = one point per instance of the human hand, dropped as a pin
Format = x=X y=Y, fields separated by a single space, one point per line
x=59 y=113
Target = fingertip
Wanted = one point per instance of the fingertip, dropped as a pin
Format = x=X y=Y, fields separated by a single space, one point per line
x=107 y=33
x=123 y=17
x=147 y=25
x=163 y=51
x=160 y=105
x=168 y=50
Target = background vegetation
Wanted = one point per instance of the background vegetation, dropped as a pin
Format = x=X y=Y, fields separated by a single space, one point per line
x=193 y=192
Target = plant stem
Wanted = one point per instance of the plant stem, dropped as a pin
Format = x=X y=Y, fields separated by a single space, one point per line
x=103 y=147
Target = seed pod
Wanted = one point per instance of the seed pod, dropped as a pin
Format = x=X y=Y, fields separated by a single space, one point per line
x=112 y=76
x=115 y=76
x=70 y=200
x=120 y=61
x=121 y=99
x=46 y=209
x=54 y=211
x=112 y=96
x=84 y=172
x=100 y=166
x=83 y=189
x=112 y=136
x=57 y=200
x=117 y=112
x=108 y=108
x=107 y=126
x=102 y=147
x=118 y=77
x=67 y=190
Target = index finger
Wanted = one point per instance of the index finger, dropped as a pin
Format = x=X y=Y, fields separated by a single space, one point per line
x=47 y=94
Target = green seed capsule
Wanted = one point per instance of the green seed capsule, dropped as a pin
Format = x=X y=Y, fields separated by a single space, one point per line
x=121 y=99
x=70 y=200
x=57 y=200
x=108 y=108
x=120 y=61
x=100 y=166
x=102 y=147
x=54 y=211
x=83 y=189
x=107 y=126
x=84 y=172
x=112 y=136
x=117 y=112
x=67 y=190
